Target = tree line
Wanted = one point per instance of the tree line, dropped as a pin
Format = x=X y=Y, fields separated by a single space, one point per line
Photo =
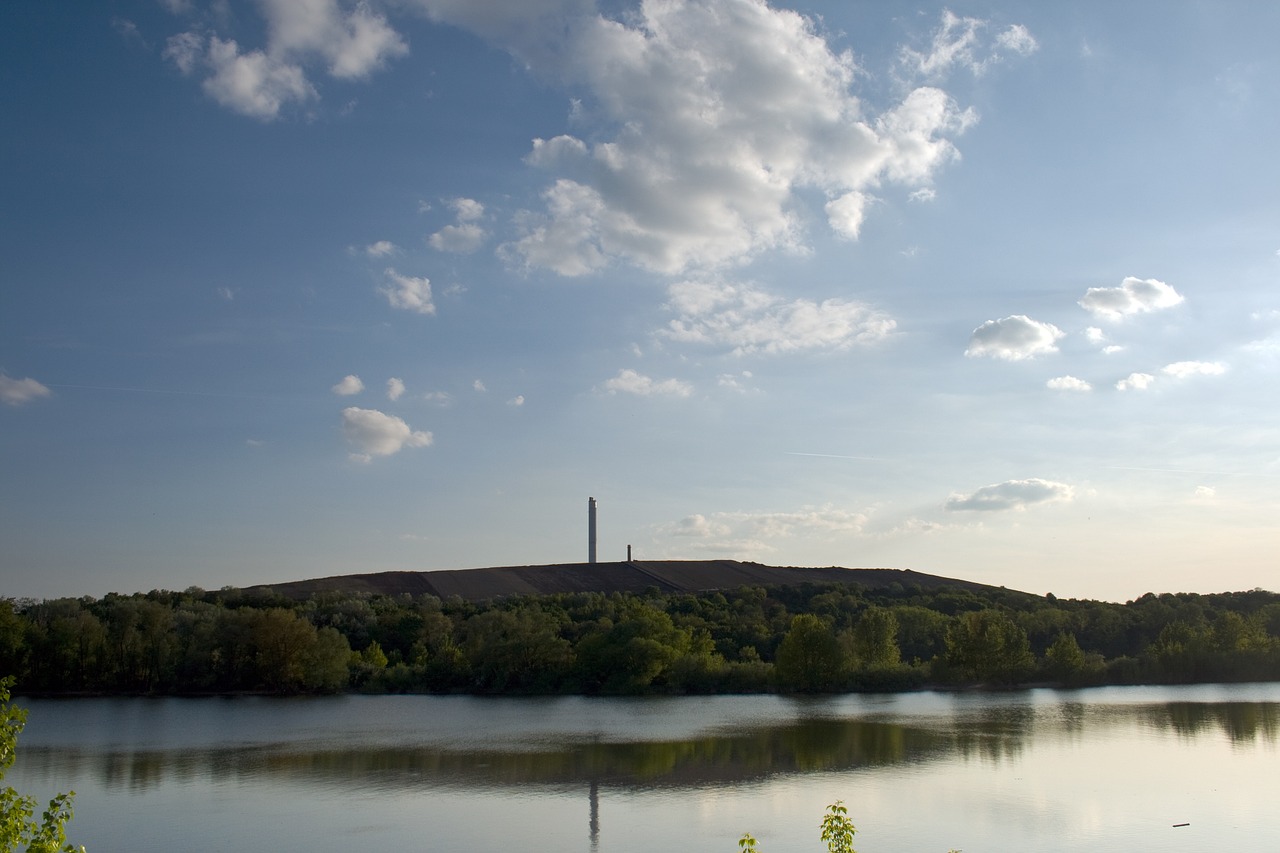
x=803 y=638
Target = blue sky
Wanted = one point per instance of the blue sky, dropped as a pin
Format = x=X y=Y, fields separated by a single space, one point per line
x=291 y=289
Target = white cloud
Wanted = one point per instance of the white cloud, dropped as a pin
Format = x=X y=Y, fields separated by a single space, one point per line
x=1095 y=336
x=479 y=386
x=960 y=43
x=462 y=239
x=408 y=293
x=699 y=526
x=395 y=388
x=923 y=194
x=1014 y=338
x=1011 y=495
x=1068 y=383
x=443 y=399
x=16 y=392
x=845 y=214
x=260 y=82
x=354 y=44
x=1135 y=382
x=1018 y=39
x=723 y=113
x=1206 y=493
x=1184 y=369
x=227 y=293
x=1133 y=296
x=747 y=319
x=1112 y=349
x=757 y=527
x=466 y=235
x=516 y=401
x=467 y=209
x=253 y=83
x=735 y=382
x=349 y=385
x=631 y=382
x=377 y=434
x=380 y=249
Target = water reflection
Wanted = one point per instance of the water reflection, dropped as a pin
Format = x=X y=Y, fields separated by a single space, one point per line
x=814 y=744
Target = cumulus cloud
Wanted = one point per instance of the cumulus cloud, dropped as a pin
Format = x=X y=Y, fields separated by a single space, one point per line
x=252 y=83
x=1011 y=495
x=464 y=236
x=1184 y=369
x=1135 y=382
x=1014 y=338
x=631 y=382
x=479 y=386
x=349 y=385
x=516 y=401
x=374 y=433
x=408 y=293
x=724 y=114
x=1068 y=383
x=17 y=392
x=395 y=388
x=747 y=319
x=1133 y=296
x=351 y=44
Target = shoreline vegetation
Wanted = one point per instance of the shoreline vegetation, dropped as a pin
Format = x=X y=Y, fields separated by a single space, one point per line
x=801 y=638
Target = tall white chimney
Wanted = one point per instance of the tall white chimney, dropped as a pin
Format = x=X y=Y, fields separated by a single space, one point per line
x=591 y=530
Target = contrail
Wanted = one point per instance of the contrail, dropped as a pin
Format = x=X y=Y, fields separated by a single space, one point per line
x=833 y=456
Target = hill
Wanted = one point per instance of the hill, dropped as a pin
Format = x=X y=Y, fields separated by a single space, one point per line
x=634 y=576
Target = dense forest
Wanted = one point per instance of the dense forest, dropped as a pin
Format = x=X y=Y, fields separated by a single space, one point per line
x=804 y=638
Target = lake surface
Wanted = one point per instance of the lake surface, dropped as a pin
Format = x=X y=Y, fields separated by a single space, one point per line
x=1106 y=769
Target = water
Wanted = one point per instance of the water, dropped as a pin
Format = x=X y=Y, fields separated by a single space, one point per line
x=1109 y=769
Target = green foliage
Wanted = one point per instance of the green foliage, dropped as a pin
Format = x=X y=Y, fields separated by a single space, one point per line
x=19 y=830
x=809 y=659
x=837 y=832
x=837 y=829
x=987 y=645
x=745 y=640
x=875 y=639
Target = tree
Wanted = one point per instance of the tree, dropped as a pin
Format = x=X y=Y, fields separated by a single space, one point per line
x=875 y=639
x=986 y=645
x=809 y=659
x=1064 y=659
x=18 y=828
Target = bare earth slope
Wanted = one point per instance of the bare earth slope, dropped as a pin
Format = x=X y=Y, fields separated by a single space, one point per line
x=635 y=576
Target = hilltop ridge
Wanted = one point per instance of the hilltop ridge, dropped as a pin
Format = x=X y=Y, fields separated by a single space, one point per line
x=630 y=576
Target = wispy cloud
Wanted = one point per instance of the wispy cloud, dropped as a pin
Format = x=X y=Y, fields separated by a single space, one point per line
x=746 y=319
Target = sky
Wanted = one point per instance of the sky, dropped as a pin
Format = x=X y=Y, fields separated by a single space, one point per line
x=297 y=288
